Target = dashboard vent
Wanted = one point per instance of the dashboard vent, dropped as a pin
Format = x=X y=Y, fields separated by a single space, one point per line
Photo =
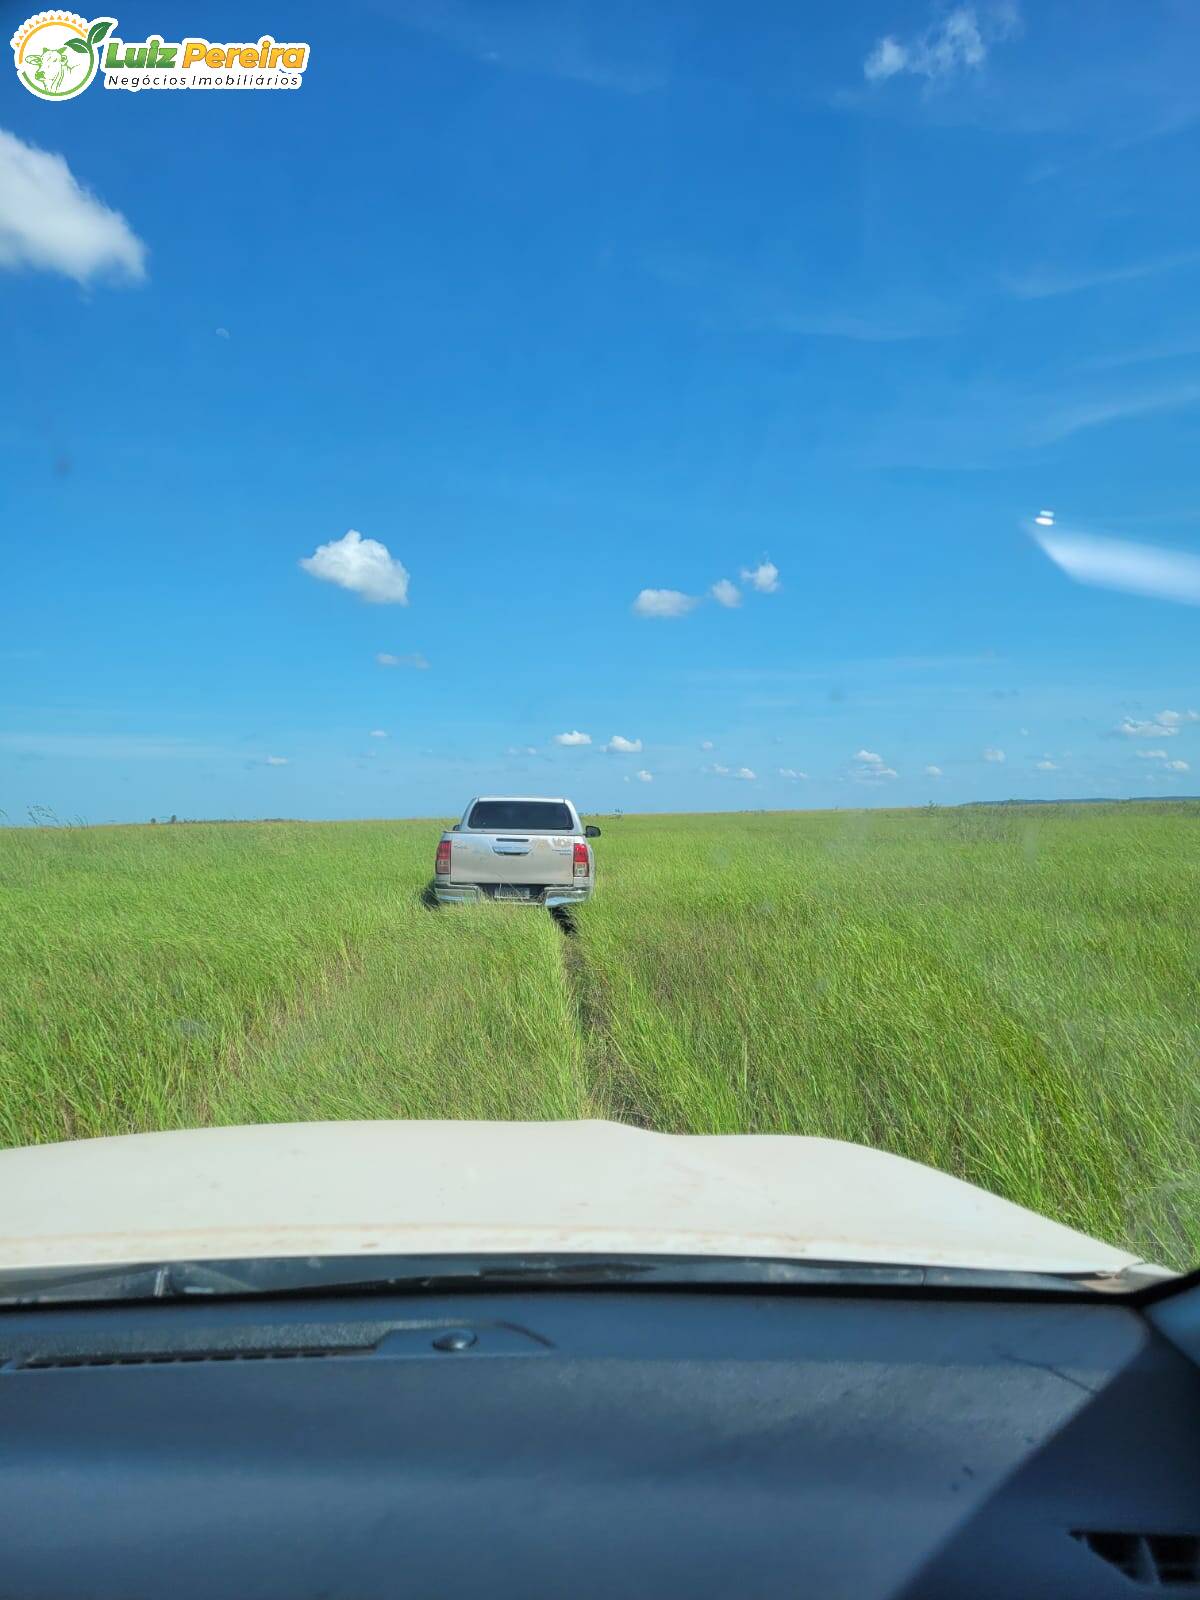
x=179 y=1358
x=1157 y=1560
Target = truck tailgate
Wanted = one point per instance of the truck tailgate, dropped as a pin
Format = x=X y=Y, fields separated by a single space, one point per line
x=538 y=858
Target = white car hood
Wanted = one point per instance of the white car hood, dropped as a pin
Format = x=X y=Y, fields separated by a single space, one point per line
x=436 y=1188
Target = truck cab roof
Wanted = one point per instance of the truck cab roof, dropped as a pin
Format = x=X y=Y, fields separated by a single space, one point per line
x=552 y=799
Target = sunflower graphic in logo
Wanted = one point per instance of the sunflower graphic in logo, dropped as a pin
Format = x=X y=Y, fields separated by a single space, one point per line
x=57 y=53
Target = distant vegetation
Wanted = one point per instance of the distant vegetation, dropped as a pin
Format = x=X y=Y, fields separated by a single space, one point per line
x=1009 y=993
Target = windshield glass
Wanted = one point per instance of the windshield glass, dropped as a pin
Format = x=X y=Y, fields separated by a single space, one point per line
x=534 y=816
x=773 y=431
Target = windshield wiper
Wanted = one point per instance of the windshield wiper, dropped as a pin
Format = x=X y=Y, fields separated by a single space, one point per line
x=308 y=1276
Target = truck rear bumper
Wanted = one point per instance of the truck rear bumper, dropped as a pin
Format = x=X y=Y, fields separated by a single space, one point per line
x=456 y=894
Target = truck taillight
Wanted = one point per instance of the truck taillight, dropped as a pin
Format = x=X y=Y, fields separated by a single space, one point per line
x=581 y=860
x=443 y=857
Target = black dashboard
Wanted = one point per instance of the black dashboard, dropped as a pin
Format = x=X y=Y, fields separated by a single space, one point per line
x=597 y=1442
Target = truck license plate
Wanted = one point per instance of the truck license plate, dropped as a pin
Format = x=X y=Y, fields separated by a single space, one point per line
x=508 y=891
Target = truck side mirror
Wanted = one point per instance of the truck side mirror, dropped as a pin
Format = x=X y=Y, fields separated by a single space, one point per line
x=456 y=827
x=591 y=831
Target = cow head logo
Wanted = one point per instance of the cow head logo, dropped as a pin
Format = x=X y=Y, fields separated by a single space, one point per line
x=57 y=53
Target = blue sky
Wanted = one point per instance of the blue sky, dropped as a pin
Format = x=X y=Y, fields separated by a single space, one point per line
x=563 y=302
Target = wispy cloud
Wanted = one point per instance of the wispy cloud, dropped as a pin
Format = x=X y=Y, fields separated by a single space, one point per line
x=933 y=772
x=1144 y=354
x=745 y=774
x=378 y=733
x=958 y=41
x=1043 y=283
x=364 y=566
x=791 y=772
x=1046 y=766
x=990 y=753
x=726 y=593
x=644 y=777
x=573 y=738
x=1178 y=766
x=1152 y=755
x=50 y=222
x=276 y=761
x=1141 y=569
x=416 y=660
x=1076 y=416
x=1163 y=725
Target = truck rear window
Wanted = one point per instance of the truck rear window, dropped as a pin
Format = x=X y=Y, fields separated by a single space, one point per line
x=522 y=816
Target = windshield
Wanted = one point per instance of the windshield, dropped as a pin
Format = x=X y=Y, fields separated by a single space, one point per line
x=533 y=816
x=767 y=434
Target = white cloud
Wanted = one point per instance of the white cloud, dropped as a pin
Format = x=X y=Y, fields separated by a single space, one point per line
x=887 y=59
x=871 y=767
x=378 y=733
x=1046 y=766
x=573 y=738
x=221 y=333
x=1141 y=569
x=707 y=744
x=744 y=773
x=49 y=221
x=1164 y=725
x=277 y=761
x=1178 y=766
x=416 y=660
x=664 y=603
x=364 y=566
x=1024 y=732
x=623 y=747
x=764 y=577
x=645 y=777
x=933 y=772
x=790 y=772
x=726 y=593
x=956 y=41
x=992 y=754
x=521 y=750
x=1153 y=755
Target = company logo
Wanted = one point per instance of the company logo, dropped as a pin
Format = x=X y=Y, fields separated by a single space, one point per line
x=57 y=53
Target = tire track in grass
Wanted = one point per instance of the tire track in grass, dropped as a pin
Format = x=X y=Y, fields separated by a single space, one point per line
x=608 y=1082
x=453 y=1014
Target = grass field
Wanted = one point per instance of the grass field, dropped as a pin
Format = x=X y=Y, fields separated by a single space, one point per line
x=1011 y=995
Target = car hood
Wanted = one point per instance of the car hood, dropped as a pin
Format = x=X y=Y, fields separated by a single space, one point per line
x=438 y=1188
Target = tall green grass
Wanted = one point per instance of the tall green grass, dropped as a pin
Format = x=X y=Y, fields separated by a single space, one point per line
x=1010 y=995
x=164 y=977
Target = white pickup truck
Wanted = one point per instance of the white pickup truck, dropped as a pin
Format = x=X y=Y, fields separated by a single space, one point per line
x=516 y=847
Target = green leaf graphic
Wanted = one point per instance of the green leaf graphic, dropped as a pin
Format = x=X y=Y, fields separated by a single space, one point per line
x=97 y=31
x=77 y=44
